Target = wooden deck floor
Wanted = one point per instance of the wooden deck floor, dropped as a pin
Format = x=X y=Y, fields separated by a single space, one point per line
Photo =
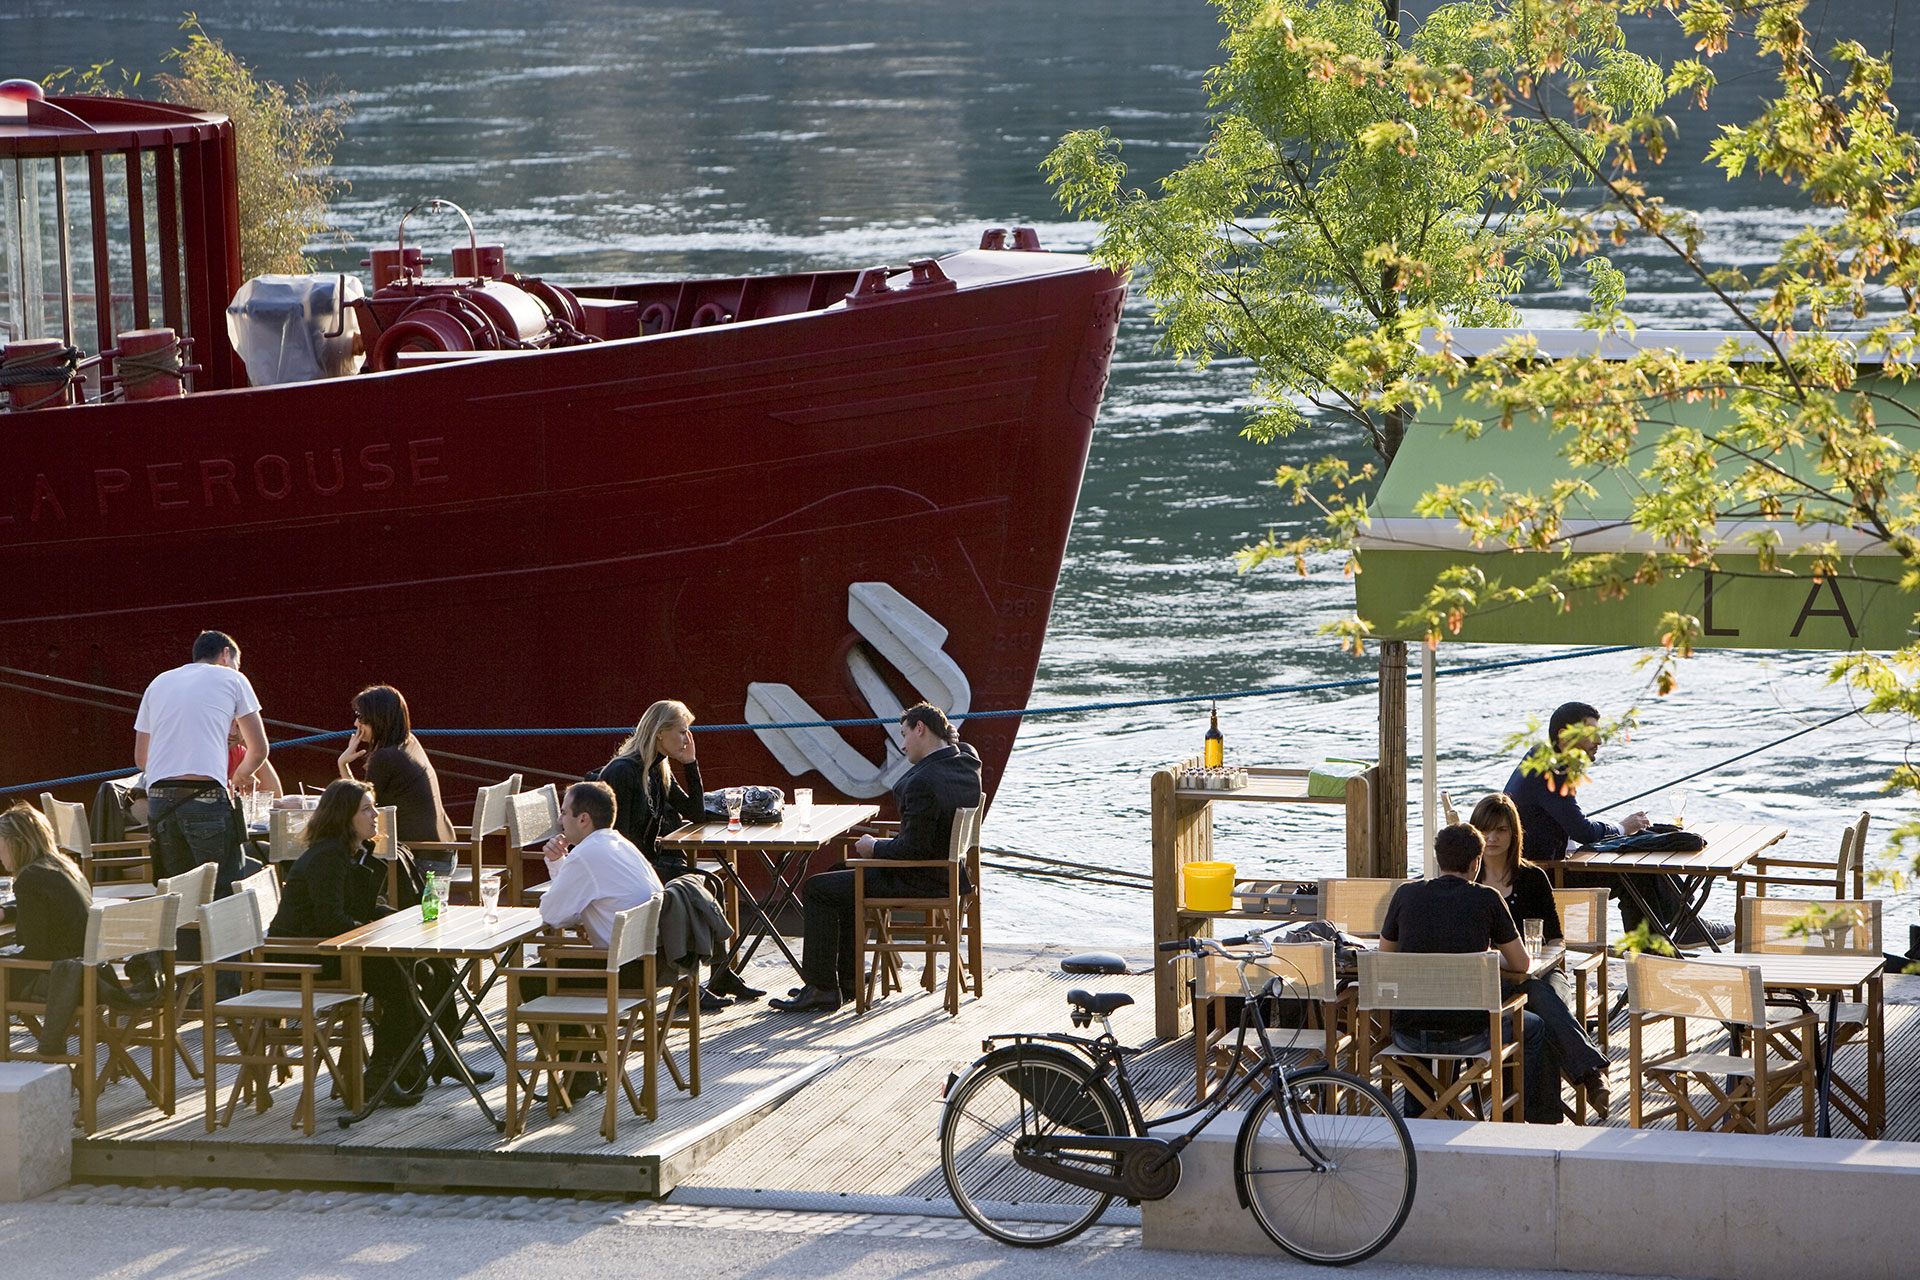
x=836 y=1107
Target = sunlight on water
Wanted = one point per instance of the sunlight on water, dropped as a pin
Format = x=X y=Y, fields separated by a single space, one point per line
x=600 y=139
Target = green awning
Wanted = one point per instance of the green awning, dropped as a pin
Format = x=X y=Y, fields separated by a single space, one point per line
x=1402 y=555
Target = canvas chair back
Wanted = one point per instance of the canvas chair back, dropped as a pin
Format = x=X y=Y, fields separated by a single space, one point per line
x=71 y=832
x=1853 y=854
x=965 y=834
x=1583 y=917
x=532 y=817
x=636 y=933
x=1357 y=906
x=1844 y=927
x=490 y=807
x=264 y=885
x=123 y=927
x=286 y=829
x=1305 y=971
x=1689 y=989
x=1429 y=980
x=386 y=823
x=195 y=888
x=230 y=927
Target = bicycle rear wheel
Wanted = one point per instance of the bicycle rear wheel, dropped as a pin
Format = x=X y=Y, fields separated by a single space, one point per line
x=1328 y=1169
x=1017 y=1093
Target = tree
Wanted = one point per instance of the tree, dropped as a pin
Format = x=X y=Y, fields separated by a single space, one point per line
x=1803 y=441
x=1343 y=203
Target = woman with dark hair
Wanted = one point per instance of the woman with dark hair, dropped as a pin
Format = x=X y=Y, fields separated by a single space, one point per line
x=649 y=803
x=398 y=769
x=316 y=904
x=1529 y=896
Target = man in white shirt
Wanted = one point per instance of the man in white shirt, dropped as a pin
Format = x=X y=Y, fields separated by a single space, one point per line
x=596 y=872
x=180 y=743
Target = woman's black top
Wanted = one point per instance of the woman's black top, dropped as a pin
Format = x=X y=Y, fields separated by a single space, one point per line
x=644 y=809
x=50 y=911
x=403 y=777
x=314 y=902
x=1532 y=899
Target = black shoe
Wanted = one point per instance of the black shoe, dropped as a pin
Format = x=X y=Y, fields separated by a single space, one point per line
x=1718 y=930
x=1597 y=1095
x=809 y=1000
x=711 y=1003
x=396 y=1096
x=725 y=982
x=445 y=1070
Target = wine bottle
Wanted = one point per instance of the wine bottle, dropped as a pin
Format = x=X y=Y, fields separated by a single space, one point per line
x=1216 y=748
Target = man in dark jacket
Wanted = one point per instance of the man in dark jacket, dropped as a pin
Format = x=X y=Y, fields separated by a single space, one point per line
x=945 y=776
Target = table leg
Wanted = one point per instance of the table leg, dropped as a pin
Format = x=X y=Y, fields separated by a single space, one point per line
x=1823 y=1068
x=1876 y=1058
x=1691 y=901
x=463 y=976
x=782 y=889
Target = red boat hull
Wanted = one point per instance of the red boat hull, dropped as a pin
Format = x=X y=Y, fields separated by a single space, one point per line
x=555 y=539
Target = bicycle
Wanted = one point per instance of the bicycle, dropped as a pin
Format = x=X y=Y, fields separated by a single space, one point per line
x=1036 y=1143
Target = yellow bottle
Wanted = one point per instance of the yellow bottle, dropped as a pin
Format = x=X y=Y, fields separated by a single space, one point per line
x=1216 y=748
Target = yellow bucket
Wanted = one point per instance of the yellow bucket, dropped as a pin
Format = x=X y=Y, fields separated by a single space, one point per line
x=1207 y=886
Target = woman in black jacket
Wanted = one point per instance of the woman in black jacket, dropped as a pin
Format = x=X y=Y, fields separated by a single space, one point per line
x=50 y=895
x=316 y=903
x=399 y=771
x=649 y=803
x=1529 y=896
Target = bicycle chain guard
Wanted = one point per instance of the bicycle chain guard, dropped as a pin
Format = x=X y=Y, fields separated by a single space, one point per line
x=1149 y=1167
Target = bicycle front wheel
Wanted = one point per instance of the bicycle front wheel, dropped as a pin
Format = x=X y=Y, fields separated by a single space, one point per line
x=1022 y=1093
x=1327 y=1168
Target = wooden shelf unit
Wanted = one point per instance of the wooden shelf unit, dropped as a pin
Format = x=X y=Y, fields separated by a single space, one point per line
x=1183 y=833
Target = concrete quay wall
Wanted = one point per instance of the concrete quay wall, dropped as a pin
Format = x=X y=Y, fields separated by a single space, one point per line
x=1652 y=1202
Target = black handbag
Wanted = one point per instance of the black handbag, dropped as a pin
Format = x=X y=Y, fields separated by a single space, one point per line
x=757 y=804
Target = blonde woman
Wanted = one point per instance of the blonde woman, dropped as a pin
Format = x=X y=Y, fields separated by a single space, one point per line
x=51 y=897
x=649 y=802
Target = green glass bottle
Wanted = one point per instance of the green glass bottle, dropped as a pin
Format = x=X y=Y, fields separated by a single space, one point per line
x=430 y=900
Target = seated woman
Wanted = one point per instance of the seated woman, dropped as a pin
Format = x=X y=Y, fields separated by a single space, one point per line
x=398 y=770
x=49 y=910
x=649 y=802
x=316 y=903
x=1529 y=896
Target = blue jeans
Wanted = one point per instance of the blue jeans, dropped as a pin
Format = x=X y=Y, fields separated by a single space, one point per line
x=193 y=830
x=1537 y=1064
x=1576 y=1056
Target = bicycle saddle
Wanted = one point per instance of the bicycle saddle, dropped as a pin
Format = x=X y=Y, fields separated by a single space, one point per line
x=1103 y=1004
x=1094 y=962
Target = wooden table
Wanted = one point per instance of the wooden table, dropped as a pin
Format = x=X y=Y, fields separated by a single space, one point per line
x=462 y=937
x=785 y=847
x=1831 y=975
x=1730 y=846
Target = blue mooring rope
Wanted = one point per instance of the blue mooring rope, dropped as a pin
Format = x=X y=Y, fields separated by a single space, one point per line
x=1320 y=686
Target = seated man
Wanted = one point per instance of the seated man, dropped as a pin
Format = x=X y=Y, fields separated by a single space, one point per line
x=1554 y=825
x=596 y=872
x=1450 y=913
x=945 y=776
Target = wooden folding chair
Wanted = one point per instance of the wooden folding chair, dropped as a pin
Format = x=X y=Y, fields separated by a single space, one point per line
x=1305 y=972
x=532 y=819
x=943 y=925
x=1818 y=926
x=282 y=1018
x=119 y=868
x=286 y=835
x=469 y=847
x=1741 y=1090
x=117 y=930
x=1356 y=905
x=591 y=1032
x=195 y=888
x=1447 y=1085
x=265 y=886
x=1841 y=877
x=1584 y=924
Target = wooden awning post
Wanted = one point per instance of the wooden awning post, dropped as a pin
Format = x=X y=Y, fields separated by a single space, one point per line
x=1390 y=799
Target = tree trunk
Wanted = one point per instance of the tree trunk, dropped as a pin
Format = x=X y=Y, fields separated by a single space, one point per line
x=1390 y=811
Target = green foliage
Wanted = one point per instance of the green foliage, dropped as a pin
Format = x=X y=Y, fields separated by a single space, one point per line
x=1353 y=192
x=1822 y=926
x=101 y=80
x=1641 y=938
x=285 y=141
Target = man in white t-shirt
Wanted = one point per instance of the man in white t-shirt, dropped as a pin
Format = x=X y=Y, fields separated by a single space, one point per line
x=180 y=743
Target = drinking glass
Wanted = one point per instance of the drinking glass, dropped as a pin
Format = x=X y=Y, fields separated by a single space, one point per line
x=490 y=897
x=734 y=799
x=1679 y=808
x=1535 y=933
x=803 y=804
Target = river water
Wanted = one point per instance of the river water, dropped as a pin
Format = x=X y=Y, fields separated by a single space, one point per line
x=601 y=139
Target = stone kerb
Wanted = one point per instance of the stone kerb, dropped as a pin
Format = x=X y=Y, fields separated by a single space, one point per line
x=36 y=1129
x=1727 y=1206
